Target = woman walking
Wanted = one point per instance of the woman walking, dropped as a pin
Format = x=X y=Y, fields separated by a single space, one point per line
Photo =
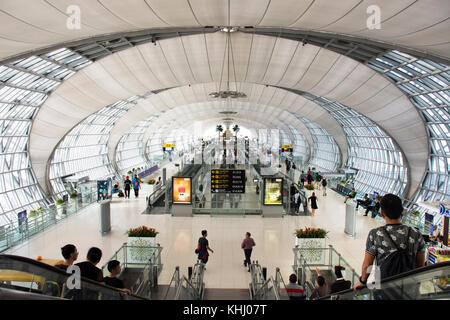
x=248 y=245
x=313 y=199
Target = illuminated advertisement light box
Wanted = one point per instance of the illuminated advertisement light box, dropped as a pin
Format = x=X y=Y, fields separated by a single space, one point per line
x=181 y=190
x=273 y=191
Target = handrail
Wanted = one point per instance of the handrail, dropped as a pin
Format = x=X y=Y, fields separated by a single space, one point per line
x=278 y=281
x=197 y=294
x=25 y=262
x=264 y=290
x=147 y=276
x=9 y=294
x=175 y=279
x=441 y=265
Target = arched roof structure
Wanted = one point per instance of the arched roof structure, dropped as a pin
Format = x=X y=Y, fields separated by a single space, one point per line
x=313 y=59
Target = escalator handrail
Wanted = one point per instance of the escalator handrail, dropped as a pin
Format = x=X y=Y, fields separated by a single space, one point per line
x=440 y=265
x=297 y=186
x=53 y=269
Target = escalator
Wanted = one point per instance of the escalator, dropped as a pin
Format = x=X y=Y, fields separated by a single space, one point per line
x=24 y=278
x=156 y=201
x=426 y=283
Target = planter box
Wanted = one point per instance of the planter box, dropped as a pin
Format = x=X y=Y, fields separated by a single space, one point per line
x=140 y=255
x=312 y=256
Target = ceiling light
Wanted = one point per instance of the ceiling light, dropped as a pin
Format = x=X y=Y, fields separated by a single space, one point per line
x=229 y=29
x=228 y=94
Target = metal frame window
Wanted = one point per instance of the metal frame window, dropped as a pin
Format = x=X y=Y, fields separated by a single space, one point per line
x=83 y=151
x=325 y=155
x=25 y=84
x=129 y=150
x=427 y=84
x=371 y=151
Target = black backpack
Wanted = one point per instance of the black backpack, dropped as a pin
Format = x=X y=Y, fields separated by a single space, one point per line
x=398 y=261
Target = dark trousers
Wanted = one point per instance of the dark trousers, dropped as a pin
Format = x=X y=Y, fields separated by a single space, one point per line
x=136 y=192
x=248 y=254
x=127 y=193
x=360 y=202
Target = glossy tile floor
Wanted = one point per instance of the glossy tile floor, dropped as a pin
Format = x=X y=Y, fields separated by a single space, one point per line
x=178 y=236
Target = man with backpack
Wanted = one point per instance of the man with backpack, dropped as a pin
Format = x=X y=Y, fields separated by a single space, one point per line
x=396 y=248
x=136 y=185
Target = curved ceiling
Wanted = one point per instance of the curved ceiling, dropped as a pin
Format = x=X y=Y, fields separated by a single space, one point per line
x=195 y=102
x=256 y=59
x=26 y=26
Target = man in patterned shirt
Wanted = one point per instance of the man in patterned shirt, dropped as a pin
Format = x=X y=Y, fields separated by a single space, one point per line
x=378 y=244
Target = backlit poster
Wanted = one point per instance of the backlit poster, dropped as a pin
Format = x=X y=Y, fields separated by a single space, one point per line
x=273 y=188
x=181 y=190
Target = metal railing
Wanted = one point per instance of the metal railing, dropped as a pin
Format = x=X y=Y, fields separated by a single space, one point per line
x=155 y=195
x=148 y=278
x=27 y=275
x=280 y=285
x=14 y=234
x=426 y=283
x=329 y=257
x=174 y=285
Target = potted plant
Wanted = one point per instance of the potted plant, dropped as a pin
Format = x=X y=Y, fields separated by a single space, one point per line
x=151 y=181
x=140 y=244
x=309 y=239
x=73 y=195
x=309 y=187
x=33 y=213
x=130 y=172
x=59 y=202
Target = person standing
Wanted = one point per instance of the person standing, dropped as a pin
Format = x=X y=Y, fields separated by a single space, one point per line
x=136 y=186
x=203 y=247
x=70 y=254
x=313 y=200
x=297 y=201
x=324 y=186
x=303 y=178
x=309 y=177
x=247 y=244
x=111 y=280
x=318 y=179
x=392 y=243
x=294 y=290
x=127 y=188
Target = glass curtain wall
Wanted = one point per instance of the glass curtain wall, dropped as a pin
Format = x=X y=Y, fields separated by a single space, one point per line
x=129 y=150
x=426 y=83
x=84 y=150
x=325 y=156
x=25 y=85
x=371 y=151
x=301 y=146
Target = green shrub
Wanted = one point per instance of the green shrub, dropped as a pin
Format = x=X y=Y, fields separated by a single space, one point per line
x=142 y=232
x=311 y=233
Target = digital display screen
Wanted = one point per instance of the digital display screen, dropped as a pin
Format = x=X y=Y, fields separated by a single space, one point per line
x=181 y=190
x=228 y=181
x=273 y=188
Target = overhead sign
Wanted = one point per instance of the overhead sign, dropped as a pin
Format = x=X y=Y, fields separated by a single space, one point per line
x=228 y=181
x=287 y=146
x=169 y=145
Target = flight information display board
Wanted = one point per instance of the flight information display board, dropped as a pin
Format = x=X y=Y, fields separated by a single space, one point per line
x=227 y=181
